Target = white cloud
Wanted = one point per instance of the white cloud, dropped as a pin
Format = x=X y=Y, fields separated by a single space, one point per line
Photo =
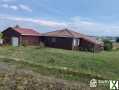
x=54 y=24
x=77 y=24
x=51 y=24
x=7 y=0
x=14 y=7
x=17 y=7
x=93 y=28
x=7 y=6
x=25 y=7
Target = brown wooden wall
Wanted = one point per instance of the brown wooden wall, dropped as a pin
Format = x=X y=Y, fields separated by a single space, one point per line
x=30 y=40
x=23 y=40
x=61 y=42
x=86 y=45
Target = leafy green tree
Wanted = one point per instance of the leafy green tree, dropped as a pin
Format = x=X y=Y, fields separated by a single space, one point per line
x=108 y=45
x=117 y=40
x=1 y=35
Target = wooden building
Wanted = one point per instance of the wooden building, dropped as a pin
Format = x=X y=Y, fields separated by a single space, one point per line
x=67 y=39
x=20 y=36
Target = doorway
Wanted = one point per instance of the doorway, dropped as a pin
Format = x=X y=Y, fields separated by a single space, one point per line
x=15 y=41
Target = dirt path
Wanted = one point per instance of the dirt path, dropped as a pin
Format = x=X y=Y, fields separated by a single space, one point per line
x=22 y=79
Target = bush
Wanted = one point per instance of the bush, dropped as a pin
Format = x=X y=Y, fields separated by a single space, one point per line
x=108 y=45
x=24 y=44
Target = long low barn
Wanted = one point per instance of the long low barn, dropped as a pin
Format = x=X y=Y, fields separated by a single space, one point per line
x=67 y=39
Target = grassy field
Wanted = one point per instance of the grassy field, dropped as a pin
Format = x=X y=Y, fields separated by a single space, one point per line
x=103 y=65
x=64 y=64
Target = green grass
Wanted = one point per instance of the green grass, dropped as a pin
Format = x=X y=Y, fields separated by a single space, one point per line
x=71 y=65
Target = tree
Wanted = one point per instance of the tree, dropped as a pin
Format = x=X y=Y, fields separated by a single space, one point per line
x=108 y=45
x=117 y=40
x=1 y=35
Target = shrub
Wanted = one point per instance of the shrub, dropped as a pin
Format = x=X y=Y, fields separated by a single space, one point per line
x=108 y=45
x=24 y=44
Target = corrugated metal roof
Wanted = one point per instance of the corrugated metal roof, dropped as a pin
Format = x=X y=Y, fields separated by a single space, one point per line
x=25 y=31
x=63 y=33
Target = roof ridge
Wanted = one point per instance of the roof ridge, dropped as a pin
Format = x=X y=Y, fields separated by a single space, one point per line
x=50 y=31
x=70 y=32
x=26 y=31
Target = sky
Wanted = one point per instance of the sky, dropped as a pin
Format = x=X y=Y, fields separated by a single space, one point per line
x=90 y=17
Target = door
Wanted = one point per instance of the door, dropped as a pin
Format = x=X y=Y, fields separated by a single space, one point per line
x=76 y=42
x=15 y=41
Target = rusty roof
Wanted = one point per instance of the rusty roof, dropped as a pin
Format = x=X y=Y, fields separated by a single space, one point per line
x=93 y=40
x=63 y=33
x=26 y=31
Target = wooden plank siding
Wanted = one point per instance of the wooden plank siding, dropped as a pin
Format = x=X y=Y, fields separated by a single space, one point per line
x=61 y=42
x=23 y=39
x=85 y=45
x=30 y=40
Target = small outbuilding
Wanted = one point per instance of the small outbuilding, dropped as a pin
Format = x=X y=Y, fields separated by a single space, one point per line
x=20 y=36
x=71 y=40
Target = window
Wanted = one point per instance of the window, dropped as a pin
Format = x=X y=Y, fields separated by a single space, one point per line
x=53 y=40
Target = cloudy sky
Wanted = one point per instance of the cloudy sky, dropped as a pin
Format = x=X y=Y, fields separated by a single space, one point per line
x=91 y=17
